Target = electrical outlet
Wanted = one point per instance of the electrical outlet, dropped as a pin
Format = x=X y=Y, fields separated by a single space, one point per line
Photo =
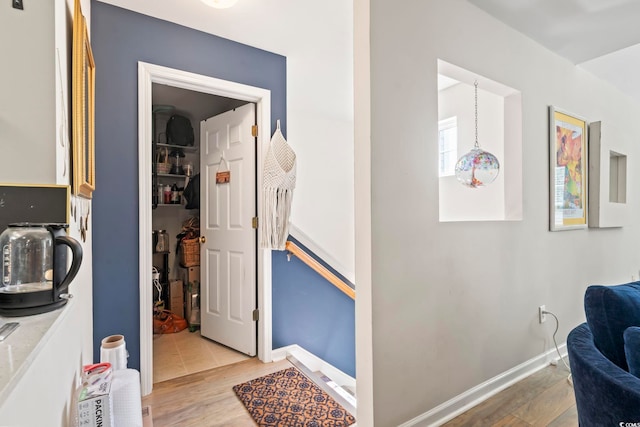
x=542 y=315
x=17 y=4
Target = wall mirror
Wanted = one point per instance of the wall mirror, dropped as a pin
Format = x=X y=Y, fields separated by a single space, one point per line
x=83 y=180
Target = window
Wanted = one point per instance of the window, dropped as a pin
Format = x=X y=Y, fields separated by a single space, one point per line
x=447 y=146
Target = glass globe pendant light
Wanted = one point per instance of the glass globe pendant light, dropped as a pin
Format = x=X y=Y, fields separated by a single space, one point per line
x=477 y=168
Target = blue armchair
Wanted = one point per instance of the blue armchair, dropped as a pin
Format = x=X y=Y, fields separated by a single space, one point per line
x=606 y=393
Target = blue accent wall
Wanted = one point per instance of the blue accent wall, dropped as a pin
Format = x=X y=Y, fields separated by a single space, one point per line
x=311 y=312
x=120 y=38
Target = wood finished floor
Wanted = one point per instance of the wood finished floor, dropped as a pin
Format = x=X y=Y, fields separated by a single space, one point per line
x=205 y=399
x=543 y=399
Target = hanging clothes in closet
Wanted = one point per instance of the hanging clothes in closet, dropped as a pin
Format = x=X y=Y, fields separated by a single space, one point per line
x=278 y=183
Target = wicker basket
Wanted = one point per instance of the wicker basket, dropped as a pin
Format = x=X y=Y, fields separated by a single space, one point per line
x=190 y=252
x=163 y=165
x=163 y=168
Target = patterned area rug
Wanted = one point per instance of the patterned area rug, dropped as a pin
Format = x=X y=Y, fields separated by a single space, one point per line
x=289 y=399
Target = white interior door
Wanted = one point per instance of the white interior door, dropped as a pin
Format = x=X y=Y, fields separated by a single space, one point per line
x=228 y=255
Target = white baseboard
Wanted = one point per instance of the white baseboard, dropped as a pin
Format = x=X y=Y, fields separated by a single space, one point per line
x=478 y=394
x=314 y=363
x=303 y=238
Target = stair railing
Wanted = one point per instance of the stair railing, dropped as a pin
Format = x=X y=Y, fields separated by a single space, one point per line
x=323 y=271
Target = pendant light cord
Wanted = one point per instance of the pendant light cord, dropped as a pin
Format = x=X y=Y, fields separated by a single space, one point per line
x=476 y=145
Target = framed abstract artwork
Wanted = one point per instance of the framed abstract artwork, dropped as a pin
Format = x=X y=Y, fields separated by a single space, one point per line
x=568 y=168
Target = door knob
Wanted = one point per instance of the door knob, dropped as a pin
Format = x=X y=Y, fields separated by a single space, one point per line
x=203 y=239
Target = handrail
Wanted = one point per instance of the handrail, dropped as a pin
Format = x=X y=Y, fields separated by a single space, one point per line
x=294 y=249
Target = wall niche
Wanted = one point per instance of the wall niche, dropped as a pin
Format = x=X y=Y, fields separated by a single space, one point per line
x=499 y=132
x=607 y=176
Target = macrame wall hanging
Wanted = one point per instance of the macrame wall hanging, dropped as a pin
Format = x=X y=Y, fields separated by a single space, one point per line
x=278 y=183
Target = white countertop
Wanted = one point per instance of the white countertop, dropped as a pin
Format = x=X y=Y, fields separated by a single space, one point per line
x=23 y=345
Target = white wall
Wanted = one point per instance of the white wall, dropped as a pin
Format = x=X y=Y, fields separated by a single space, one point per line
x=27 y=86
x=458 y=202
x=320 y=130
x=362 y=180
x=31 y=135
x=455 y=304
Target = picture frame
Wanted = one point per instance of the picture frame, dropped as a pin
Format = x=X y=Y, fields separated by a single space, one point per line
x=83 y=108
x=35 y=203
x=568 y=171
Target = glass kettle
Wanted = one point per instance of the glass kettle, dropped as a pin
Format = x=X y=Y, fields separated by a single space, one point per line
x=34 y=267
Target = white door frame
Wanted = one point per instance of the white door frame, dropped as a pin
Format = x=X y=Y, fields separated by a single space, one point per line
x=148 y=74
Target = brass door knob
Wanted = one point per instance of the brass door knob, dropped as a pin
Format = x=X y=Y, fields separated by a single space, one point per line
x=203 y=239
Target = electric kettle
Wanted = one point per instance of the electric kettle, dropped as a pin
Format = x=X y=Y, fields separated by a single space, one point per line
x=34 y=268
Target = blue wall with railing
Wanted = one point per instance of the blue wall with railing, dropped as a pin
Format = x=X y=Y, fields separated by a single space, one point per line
x=311 y=312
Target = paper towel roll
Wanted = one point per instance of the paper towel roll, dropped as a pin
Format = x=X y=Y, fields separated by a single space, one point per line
x=127 y=403
x=114 y=350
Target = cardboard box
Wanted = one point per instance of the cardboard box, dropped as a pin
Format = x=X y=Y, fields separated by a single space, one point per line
x=176 y=297
x=95 y=406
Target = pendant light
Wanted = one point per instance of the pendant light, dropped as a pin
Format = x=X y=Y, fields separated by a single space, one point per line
x=477 y=168
x=220 y=4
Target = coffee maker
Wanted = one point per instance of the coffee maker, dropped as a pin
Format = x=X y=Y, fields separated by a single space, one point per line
x=35 y=278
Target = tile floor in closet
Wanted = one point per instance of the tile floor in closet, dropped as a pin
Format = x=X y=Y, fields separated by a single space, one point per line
x=184 y=353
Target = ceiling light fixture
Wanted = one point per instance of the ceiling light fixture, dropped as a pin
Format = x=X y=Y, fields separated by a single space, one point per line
x=219 y=4
x=477 y=168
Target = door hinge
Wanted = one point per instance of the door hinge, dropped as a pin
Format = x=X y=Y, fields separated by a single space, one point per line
x=254 y=130
x=254 y=222
x=256 y=315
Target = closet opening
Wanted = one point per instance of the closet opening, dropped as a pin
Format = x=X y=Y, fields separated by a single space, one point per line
x=176 y=233
x=224 y=117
